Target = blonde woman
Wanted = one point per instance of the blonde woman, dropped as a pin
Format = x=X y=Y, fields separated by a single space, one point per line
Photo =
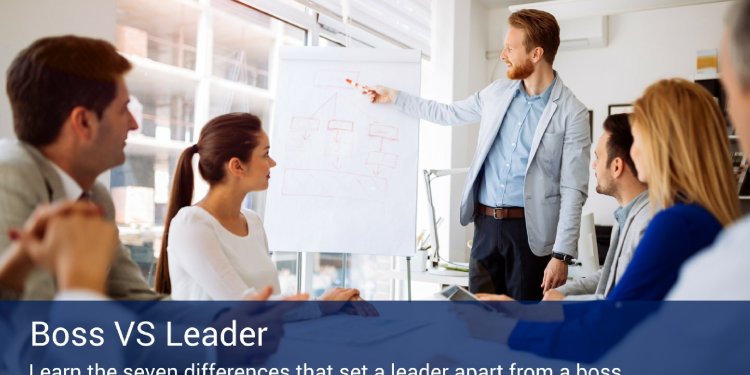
x=680 y=149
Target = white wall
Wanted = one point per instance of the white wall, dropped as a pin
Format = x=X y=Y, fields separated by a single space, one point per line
x=643 y=48
x=459 y=43
x=497 y=21
x=471 y=43
x=23 y=21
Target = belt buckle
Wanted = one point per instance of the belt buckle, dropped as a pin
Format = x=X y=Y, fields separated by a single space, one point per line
x=494 y=213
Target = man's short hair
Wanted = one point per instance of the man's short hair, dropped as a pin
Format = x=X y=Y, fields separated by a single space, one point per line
x=541 y=28
x=52 y=76
x=620 y=139
x=738 y=25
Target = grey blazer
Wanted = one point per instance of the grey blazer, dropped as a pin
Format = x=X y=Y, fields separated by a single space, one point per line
x=27 y=179
x=557 y=173
x=621 y=249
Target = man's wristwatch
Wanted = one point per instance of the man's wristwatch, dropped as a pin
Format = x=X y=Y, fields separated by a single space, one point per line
x=565 y=258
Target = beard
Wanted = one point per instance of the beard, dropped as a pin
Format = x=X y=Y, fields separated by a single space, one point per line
x=605 y=189
x=522 y=71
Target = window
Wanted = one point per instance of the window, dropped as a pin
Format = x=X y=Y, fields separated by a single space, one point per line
x=192 y=61
x=403 y=23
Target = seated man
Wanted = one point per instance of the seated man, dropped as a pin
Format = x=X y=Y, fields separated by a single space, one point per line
x=70 y=114
x=617 y=177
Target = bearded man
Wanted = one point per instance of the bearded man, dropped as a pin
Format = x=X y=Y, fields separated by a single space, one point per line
x=529 y=177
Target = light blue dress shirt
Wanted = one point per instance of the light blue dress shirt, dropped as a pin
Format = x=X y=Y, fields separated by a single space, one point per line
x=621 y=213
x=505 y=166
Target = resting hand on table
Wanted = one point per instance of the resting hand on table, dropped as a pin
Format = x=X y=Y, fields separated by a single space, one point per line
x=346 y=300
x=493 y=297
x=553 y=295
x=70 y=239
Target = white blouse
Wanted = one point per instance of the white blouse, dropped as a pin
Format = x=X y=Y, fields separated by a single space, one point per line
x=208 y=262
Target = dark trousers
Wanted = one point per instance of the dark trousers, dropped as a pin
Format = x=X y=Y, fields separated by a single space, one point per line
x=501 y=261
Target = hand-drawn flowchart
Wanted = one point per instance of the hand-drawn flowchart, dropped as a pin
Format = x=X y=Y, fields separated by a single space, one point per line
x=346 y=174
x=332 y=136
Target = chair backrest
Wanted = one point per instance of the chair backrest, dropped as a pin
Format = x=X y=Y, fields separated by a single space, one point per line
x=588 y=250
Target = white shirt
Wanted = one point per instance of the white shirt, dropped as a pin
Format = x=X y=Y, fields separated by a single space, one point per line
x=208 y=262
x=719 y=272
x=73 y=191
x=79 y=295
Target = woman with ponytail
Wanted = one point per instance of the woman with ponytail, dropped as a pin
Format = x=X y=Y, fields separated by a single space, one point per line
x=215 y=249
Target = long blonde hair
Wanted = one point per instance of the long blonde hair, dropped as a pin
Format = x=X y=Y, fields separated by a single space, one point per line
x=686 y=148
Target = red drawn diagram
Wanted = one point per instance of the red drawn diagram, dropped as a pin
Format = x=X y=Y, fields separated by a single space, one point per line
x=379 y=158
x=306 y=126
x=340 y=143
x=324 y=159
